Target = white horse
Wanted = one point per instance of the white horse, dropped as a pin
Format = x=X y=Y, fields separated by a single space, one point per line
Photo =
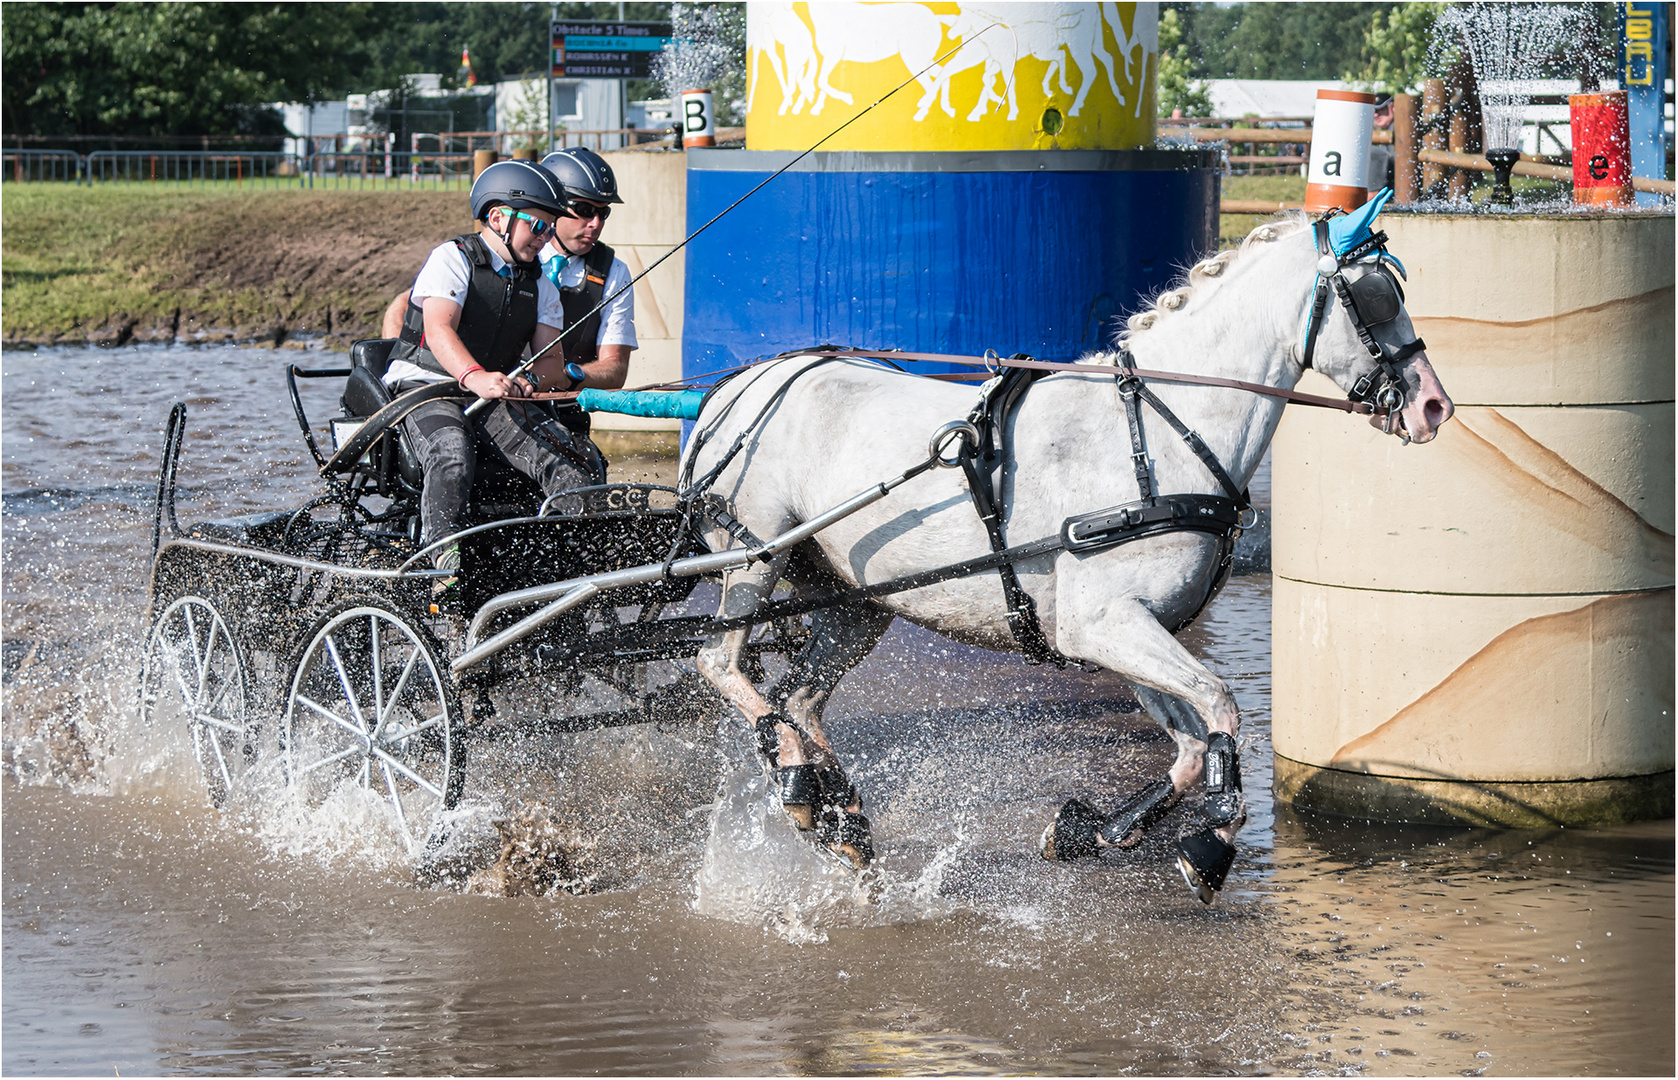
x=769 y=29
x=841 y=426
x=985 y=42
x=863 y=33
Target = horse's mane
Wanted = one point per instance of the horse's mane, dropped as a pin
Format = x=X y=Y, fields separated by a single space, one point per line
x=1203 y=277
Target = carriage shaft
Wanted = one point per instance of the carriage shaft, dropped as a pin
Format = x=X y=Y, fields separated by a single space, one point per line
x=524 y=627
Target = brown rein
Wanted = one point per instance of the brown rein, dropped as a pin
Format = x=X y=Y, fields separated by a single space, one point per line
x=992 y=364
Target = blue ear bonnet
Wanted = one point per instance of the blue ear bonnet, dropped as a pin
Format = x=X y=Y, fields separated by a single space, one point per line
x=1347 y=231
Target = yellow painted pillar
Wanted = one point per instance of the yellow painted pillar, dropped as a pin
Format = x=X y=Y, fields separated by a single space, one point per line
x=989 y=76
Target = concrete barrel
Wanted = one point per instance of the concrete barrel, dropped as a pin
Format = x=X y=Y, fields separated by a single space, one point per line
x=1481 y=630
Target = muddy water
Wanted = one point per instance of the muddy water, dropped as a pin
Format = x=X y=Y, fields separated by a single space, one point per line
x=147 y=933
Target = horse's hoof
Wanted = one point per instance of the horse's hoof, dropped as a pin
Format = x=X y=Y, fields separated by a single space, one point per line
x=1205 y=859
x=847 y=835
x=1072 y=834
x=801 y=791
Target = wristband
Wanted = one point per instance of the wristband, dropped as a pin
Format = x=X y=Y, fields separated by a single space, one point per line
x=460 y=380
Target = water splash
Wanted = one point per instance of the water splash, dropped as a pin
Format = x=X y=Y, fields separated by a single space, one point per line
x=1508 y=44
x=757 y=869
x=707 y=51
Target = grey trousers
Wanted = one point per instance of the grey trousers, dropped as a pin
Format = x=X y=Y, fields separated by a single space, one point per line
x=522 y=435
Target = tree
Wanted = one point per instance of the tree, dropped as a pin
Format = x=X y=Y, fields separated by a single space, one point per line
x=170 y=68
x=1396 y=48
x=209 y=68
x=1273 y=40
x=1177 y=92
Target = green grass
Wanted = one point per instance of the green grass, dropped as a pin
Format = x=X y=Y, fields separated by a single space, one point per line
x=97 y=263
x=1233 y=228
x=72 y=255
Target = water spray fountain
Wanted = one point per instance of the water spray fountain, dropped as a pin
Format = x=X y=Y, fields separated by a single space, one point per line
x=1508 y=44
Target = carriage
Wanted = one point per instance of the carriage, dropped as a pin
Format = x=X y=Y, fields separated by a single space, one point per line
x=319 y=634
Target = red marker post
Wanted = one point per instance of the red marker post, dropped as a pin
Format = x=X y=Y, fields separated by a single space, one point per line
x=1601 y=149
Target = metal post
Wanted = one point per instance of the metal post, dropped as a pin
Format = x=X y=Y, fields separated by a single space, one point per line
x=552 y=17
x=1458 y=181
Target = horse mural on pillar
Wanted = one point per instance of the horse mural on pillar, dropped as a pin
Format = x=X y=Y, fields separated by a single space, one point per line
x=1105 y=447
x=987 y=53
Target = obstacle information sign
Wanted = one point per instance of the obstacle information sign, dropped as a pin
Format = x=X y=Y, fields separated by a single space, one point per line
x=607 y=50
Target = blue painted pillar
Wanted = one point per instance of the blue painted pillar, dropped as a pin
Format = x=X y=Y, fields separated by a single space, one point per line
x=1017 y=251
x=1643 y=73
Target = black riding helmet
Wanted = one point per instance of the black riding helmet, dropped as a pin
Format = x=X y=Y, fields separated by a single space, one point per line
x=583 y=174
x=522 y=185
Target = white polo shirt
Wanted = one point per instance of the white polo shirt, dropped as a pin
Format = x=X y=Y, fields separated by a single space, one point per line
x=617 y=321
x=448 y=273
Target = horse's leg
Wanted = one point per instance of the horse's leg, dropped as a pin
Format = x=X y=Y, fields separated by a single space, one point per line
x=719 y=662
x=840 y=638
x=1200 y=712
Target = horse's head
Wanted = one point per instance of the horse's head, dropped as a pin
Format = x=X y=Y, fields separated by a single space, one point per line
x=1358 y=333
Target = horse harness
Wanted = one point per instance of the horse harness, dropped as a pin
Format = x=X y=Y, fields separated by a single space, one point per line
x=1372 y=300
x=1223 y=516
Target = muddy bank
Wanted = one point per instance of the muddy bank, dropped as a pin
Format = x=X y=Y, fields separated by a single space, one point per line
x=272 y=267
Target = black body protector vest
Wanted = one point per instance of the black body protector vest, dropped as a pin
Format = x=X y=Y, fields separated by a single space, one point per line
x=496 y=320
x=583 y=344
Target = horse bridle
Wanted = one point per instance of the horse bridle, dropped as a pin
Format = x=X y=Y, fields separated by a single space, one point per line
x=1372 y=300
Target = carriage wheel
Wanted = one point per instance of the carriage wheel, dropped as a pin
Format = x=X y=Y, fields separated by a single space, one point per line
x=371 y=705
x=195 y=674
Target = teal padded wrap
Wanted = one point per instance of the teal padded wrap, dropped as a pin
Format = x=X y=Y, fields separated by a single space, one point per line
x=677 y=404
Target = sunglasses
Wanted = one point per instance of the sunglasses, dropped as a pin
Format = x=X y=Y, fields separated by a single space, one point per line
x=585 y=210
x=538 y=227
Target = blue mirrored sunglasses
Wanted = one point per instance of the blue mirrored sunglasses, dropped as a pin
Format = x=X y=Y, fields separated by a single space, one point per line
x=538 y=227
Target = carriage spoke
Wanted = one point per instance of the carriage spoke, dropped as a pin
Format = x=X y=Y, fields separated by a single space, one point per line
x=378 y=672
x=395 y=797
x=401 y=767
x=192 y=637
x=210 y=720
x=396 y=695
x=359 y=733
x=221 y=759
x=344 y=681
x=409 y=732
x=330 y=759
x=223 y=688
x=186 y=693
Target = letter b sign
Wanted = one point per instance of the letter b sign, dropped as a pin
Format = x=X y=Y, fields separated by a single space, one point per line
x=698 y=127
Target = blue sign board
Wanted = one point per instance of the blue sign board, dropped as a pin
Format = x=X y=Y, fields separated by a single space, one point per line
x=607 y=50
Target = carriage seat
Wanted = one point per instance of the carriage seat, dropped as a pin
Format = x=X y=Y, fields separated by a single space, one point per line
x=497 y=491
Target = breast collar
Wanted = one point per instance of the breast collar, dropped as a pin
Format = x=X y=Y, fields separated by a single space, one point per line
x=1382 y=387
